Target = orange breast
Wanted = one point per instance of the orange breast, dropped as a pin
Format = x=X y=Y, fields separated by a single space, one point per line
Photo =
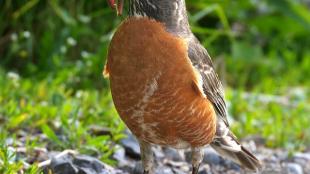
x=153 y=86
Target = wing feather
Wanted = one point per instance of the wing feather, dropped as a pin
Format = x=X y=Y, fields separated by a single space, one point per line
x=212 y=86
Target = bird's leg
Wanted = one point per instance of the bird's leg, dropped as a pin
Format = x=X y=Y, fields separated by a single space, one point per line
x=197 y=156
x=146 y=157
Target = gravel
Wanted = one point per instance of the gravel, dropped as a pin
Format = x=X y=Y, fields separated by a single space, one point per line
x=167 y=160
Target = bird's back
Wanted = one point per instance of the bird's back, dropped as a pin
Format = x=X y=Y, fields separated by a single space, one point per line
x=156 y=89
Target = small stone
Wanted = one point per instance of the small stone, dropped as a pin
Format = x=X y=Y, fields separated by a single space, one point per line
x=160 y=169
x=293 y=168
x=272 y=159
x=211 y=157
x=99 y=130
x=131 y=146
x=158 y=152
x=172 y=154
x=163 y=170
x=63 y=165
x=79 y=164
x=89 y=164
x=232 y=166
x=179 y=171
x=138 y=169
x=282 y=156
x=204 y=169
x=305 y=156
x=64 y=168
x=119 y=155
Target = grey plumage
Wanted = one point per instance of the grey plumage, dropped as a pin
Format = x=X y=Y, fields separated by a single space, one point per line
x=170 y=12
x=225 y=143
x=211 y=84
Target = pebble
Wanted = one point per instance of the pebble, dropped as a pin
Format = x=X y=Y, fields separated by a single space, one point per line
x=63 y=165
x=119 y=156
x=293 y=168
x=89 y=164
x=211 y=157
x=205 y=169
x=179 y=171
x=138 y=169
x=172 y=154
x=163 y=170
x=171 y=161
x=80 y=164
x=158 y=153
x=303 y=159
x=304 y=156
x=131 y=146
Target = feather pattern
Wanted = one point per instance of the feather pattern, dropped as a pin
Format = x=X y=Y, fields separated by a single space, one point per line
x=212 y=86
x=224 y=142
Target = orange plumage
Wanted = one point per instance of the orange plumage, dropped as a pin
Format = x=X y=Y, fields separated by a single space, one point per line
x=155 y=88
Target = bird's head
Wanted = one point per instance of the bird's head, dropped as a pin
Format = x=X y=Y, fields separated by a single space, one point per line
x=172 y=13
x=117 y=5
x=147 y=7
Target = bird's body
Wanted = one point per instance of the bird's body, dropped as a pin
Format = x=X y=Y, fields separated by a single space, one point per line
x=156 y=89
x=164 y=85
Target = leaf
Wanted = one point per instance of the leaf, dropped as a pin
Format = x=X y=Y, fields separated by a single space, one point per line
x=62 y=13
x=24 y=8
x=17 y=120
x=50 y=134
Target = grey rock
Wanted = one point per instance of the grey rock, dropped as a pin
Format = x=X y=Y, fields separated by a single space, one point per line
x=63 y=165
x=172 y=154
x=293 y=168
x=64 y=168
x=188 y=156
x=158 y=153
x=281 y=156
x=232 y=166
x=271 y=159
x=303 y=159
x=138 y=169
x=211 y=157
x=204 y=169
x=179 y=171
x=89 y=165
x=79 y=164
x=163 y=170
x=119 y=155
x=126 y=169
x=304 y=156
x=99 y=130
x=131 y=146
x=160 y=169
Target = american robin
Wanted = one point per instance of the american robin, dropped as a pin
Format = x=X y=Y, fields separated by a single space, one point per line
x=164 y=85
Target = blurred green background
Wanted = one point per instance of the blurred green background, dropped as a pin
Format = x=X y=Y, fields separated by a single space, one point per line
x=52 y=52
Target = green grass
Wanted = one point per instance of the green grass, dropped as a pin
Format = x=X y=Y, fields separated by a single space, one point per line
x=57 y=51
x=50 y=107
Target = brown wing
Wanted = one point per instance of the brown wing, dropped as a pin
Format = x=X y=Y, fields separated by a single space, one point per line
x=212 y=86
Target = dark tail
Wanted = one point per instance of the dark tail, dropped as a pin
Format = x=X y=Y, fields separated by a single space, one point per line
x=226 y=144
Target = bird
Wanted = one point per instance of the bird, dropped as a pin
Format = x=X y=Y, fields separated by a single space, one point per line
x=164 y=85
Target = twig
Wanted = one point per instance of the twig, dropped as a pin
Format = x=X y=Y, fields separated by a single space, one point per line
x=63 y=153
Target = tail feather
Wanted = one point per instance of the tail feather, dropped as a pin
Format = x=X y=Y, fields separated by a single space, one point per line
x=228 y=146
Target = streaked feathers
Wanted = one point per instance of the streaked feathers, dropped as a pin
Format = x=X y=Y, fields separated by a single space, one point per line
x=211 y=84
x=224 y=141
